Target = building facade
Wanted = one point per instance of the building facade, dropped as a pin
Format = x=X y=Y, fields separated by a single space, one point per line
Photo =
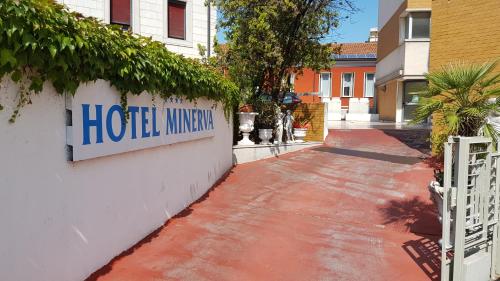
x=402 y=56
x=352 y=76
x=180 y=24
x=475 y=38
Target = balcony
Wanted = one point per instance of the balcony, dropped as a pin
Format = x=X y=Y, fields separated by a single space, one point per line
x=409 y=60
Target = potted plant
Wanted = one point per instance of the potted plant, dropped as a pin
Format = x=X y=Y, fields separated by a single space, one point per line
x=266 y=119
x=302 y=122
x=247 y=108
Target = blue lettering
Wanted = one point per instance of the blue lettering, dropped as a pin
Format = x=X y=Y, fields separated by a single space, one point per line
x=87 y=123
x=187 y=119
x=193 y=119
x=156 y=132
x=210 y=120
x=109 y=123
x=205 y=119
x=200 y=123
x=171 y=121
x=180 y=121
x=133 y=110
x=145 y=121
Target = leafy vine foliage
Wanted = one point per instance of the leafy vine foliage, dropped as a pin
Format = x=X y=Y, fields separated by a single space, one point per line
x=41 y=40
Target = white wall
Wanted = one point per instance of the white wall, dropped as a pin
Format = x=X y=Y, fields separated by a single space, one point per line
x=416 y=61
x=411 y=58
x=63 y=220
x=387 y=8
x=390 y=65
x=90 y=8
x=150 y=20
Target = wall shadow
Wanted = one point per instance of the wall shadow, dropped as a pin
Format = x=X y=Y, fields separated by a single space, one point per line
x=414 y=138
x=148 y=239
x=397 y=159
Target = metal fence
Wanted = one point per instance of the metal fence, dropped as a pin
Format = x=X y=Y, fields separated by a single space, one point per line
x=469 y=210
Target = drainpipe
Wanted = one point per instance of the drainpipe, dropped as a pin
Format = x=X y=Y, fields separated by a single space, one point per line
x=209 y=30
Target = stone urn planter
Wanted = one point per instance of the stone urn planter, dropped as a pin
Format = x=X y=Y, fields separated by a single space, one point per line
x=265 y=135
x=247 y=120
x=299 y=134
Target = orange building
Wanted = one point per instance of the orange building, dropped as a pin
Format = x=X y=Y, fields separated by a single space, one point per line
x=352 y=76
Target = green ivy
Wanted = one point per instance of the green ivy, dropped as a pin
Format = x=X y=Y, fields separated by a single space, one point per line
x=41 y=40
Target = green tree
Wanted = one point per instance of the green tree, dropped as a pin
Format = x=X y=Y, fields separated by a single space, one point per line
x=460 y=97
x=268 y=38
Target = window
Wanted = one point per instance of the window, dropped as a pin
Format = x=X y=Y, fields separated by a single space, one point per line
x=325 y=86
x=369 y=85
x=411 y=98
x=417 y=25
x=177 y=20
x=120 y=12
x=347 y=84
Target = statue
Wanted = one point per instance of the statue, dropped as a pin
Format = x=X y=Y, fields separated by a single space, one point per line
x=278 y=136
x=289 y=127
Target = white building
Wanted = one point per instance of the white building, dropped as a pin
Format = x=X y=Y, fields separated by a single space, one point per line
x=180 y=24
x=64 y=216
x=373 y=37
x=402 y=56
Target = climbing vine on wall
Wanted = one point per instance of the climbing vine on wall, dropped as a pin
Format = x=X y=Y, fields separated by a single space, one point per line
x=41 y=40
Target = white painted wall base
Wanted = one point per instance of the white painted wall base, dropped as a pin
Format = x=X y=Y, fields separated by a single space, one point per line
x=361 y=117
x=61 y=220
x=334 y=116
x=250 y=153
x=334 y=109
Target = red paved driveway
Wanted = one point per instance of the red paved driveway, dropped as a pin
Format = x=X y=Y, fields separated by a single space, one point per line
x=355 y=209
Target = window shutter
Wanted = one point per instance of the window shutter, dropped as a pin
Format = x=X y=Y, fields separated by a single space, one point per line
x=120 y=12
x=176 y=19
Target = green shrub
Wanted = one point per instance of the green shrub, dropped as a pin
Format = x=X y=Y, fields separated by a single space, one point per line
x=41 y=40
x=459 y=97
x=268 y=112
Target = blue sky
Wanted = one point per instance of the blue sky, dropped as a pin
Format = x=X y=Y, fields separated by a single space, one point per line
x=355 y=29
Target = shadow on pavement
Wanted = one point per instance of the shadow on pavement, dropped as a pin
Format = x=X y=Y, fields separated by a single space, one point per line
x=415 y=138
x=397 y=159
x=426 y=252
x=148 y=239
x=420 y=218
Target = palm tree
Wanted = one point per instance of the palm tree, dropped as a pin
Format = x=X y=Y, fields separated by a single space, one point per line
x=460 y=97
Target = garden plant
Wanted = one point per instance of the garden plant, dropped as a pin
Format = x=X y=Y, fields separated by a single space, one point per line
x=460 y=98
x=41 y=40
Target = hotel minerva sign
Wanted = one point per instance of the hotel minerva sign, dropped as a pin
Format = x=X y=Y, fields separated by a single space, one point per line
x=100 y=127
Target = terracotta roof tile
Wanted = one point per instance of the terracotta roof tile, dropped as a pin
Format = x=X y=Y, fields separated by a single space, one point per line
x=357 y=48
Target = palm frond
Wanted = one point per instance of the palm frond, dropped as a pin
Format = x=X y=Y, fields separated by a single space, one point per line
x=426 y=107
x=493 y=93
x=489 y=131
x=452 y=122
x=475 y=111
x=491 y=81
x=460 y=97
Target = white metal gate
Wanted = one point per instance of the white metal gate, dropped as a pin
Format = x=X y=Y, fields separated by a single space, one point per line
x=469 y=210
